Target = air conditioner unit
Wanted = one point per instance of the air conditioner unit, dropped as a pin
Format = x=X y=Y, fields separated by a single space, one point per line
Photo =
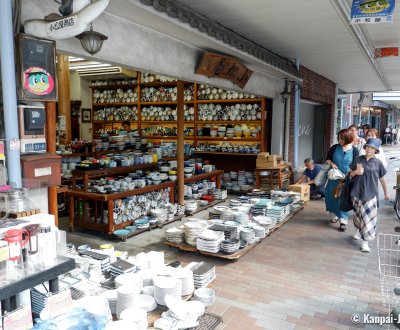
x=107 y=71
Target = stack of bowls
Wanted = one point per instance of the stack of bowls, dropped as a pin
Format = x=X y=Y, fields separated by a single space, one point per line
x=238 y=132
x=192 y=229
x=214 y=131
x=188 y=172
x=221 y=131
x=246 y=132
x=205 y=295
x=164 y=286
x=191 y=205
x=230 y=132
x=127 y=297
x=137 y=316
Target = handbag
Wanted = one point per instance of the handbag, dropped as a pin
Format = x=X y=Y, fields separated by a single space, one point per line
x=342 y=191
x=322 y=175
x=335 y=174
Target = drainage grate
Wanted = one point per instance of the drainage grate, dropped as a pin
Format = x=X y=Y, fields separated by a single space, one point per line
x=208 y=321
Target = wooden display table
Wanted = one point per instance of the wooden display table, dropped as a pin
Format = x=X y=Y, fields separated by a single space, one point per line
x=199 y=177
x=277 y=176
x=82 y=217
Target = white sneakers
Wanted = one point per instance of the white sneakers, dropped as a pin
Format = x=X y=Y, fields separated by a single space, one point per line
x=365 y=247
x=357 y=235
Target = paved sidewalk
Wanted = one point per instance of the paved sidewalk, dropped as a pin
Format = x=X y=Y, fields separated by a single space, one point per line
x=306 y=275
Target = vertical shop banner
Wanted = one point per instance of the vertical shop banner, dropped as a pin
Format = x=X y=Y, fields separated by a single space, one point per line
x=372 y=11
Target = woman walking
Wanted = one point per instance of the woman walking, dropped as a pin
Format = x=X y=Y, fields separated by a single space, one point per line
x=340 y=156
x=366 y=171
x=358 y=142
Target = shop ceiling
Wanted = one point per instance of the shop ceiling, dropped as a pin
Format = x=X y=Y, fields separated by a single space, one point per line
x=317 y=32
x=314 y=31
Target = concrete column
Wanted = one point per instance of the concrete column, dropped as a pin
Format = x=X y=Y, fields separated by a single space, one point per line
x=181 y=142
x=9 y=91
x=296 y=120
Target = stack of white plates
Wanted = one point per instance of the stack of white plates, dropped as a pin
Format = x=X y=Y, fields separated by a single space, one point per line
x=147 y=276
x=234 y=202
x=186 y=276
x=166 y=286
x=248 y=235
x=227 y=214
x=134 y=280
x=191 y=205
x=127 y=296
x=174 y=235
x=278 y=212
x=192 y=229
x=121 y=325
x=112 y=297
x=230 y=245
x=259 y=231
x=148 y=290
x=216 y=193
x=267 y=222
x=203 y=274
x=135 y=315
x=161 y=214
x=210 y=240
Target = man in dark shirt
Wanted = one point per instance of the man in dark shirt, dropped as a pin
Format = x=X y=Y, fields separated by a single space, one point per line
x=310 y=173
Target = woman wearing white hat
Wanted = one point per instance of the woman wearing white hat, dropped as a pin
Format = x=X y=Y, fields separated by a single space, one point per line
x=366 y=171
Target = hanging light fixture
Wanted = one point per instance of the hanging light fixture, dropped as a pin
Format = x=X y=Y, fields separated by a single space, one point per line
x=91 y=41
x=286 y=93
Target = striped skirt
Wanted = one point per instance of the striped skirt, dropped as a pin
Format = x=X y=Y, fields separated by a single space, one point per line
x=365 y=217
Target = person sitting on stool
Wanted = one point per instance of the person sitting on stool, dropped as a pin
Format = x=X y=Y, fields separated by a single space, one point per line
x=126 y=125
x=311 y=172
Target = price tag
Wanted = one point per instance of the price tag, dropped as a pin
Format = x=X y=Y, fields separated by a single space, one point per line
x=21 y=319
x=15 y=144
x=59 y=303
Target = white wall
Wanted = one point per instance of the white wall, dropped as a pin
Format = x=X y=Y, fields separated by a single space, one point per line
x=277 y=133
x=306 y=131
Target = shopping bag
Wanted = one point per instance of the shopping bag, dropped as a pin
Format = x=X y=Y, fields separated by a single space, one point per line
x=322 y=175
x=342 y=191
x=335 y=174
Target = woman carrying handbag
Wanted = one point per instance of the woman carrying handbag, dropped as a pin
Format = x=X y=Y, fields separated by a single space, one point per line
x=366 y=171
x=340 y=156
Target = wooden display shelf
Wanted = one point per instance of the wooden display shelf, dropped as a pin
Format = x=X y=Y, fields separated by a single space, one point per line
x=208 y=175
x=161 y=84
x=115 y=86
x=111 y=122
x=94 y=202
x=224 y=153
x=111 y=171
x=166 y=137
x=160 y=122
x=205 y=207
x=115 y=104
x=253 y=100
x=227 y=122
x=77 y=154
x=139 y=231
x=158 y=103
x=225 y=138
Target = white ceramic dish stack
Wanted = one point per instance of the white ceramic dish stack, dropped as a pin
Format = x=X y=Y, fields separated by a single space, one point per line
x=134 y=280
x=192 y=229
x=112 y=297
x=135 y=315
x=174 y=235
x=164 y=285
x=146 y=302
x=205 y=295
x=210 y=240
x=186 y=276
x=203 y=274
x=127 y=297
x=248 y=235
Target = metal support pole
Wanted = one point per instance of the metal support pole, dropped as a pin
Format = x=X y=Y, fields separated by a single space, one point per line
x=296 y=120
x=9 y=91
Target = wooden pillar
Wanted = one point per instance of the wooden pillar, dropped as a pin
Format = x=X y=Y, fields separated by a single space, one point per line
x=51 y=125
x=181 y=142
x=64 y=98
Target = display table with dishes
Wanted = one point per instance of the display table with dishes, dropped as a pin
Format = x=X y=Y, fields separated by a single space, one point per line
x=84 y=205
x=237 y=229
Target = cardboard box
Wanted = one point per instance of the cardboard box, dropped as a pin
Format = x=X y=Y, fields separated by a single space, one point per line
x=302 y=189
x=263 y=155
x=274 y=158
x=261 y=163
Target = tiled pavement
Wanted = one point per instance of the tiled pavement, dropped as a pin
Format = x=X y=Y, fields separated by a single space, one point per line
x=306 y=275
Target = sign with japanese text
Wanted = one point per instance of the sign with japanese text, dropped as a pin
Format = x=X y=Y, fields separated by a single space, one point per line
x=20 y=319
x=372 y=11
x=59 y=303
x=215 y=65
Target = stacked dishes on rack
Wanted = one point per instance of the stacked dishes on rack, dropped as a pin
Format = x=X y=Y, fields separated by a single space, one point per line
x=174 y=235
x=134 y=280
x=210 y=241
x=161 y=214
x=203 y=274
x=191 y=205
x=166 y=286
x=248 y=235
x=146 y=302
x=278 y=212
x=230 y=246
x=241 y=217
x=234 y=203
x=192 y=229
x=259 y=231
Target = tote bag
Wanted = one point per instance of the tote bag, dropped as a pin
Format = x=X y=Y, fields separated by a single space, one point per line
x=342 y=191
x=322 y=175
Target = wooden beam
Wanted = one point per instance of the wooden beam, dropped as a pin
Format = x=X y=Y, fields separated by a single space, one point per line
x=64 y=98
x=51 y=125
x=181 y=142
